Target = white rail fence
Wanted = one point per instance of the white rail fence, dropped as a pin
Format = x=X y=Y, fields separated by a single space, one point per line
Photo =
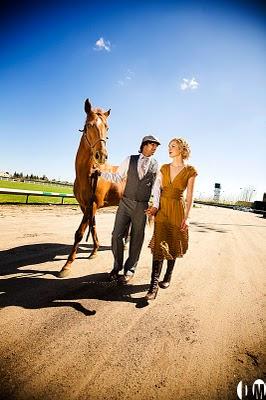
x=28 y=193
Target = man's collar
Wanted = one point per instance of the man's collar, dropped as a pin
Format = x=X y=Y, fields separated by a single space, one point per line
x=142 y=156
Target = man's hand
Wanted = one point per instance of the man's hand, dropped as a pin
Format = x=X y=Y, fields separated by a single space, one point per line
x=151 y=211
x=93 y=170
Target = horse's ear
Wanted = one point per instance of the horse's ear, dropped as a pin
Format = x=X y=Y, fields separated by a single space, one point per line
x=107 y=113
x=87 y=106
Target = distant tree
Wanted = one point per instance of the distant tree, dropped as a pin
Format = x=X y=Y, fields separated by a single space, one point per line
x=33 y=177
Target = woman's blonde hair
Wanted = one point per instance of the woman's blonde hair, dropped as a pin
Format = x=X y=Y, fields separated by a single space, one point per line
x=184 y=147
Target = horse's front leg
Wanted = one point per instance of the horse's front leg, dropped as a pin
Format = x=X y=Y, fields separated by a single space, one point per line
x=96 y=244
x=65 y=271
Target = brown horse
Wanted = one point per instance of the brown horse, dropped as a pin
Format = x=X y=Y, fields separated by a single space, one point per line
x=90 y=192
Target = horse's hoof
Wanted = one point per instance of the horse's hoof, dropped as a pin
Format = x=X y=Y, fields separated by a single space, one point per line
x=64 y=272
x=92 y=255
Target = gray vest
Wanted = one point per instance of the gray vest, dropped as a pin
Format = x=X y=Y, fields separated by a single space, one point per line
x=140 y=189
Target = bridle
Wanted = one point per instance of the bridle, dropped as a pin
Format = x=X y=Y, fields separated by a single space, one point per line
x=94 y=144
x=86 y=127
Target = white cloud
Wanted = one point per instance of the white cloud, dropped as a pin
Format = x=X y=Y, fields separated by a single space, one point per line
x=189 y=84
x=129 y=75
x=102 y=44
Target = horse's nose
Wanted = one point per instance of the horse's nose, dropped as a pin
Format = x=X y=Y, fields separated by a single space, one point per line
x=103 y=158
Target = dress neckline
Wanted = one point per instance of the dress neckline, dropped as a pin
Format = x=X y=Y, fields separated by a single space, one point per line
x=169 y=170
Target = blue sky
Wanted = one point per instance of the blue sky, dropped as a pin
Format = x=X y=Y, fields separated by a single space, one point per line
x=172 y=68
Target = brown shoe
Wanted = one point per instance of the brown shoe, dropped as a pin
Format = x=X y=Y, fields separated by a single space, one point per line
x=152 y=294
x=164 y=284
x=114 y=275
x=125 y=279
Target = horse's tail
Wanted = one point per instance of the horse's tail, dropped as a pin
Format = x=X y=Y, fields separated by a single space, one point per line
x=91 y=217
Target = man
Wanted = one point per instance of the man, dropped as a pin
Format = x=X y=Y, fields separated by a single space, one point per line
x=142 y=175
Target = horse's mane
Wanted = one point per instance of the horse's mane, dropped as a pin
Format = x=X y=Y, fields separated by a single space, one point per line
x=98 y=110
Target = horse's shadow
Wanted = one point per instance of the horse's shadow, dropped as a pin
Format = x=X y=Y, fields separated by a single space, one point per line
x=13 y=259
x=32 y=290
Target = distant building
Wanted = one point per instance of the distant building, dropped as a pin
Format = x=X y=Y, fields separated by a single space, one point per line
x=217 y=192
x=5 y=174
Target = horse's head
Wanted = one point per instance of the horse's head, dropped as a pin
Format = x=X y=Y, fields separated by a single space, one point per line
x=95 y=132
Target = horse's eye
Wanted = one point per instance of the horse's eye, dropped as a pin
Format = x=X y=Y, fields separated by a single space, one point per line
x=107 y=137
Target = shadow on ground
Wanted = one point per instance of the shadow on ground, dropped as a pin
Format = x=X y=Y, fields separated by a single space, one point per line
x=31 y=289
x=32 y=254
x=204 y=228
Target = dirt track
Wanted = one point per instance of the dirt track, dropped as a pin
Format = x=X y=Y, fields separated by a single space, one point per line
x=84 y=338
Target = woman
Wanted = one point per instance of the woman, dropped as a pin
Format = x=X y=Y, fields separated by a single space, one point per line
x=170 y=238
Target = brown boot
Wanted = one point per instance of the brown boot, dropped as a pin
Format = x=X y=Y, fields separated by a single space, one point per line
x=168 y=274
x=155 y=275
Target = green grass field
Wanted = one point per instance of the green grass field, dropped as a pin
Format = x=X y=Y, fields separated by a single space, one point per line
x=10 y=198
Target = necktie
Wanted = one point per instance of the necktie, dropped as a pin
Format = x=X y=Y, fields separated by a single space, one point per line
x=143 y=166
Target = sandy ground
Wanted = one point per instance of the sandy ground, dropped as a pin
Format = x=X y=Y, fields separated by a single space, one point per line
x=85 y=338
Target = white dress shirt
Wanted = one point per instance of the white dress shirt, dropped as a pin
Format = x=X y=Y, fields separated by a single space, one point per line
x=121 y=174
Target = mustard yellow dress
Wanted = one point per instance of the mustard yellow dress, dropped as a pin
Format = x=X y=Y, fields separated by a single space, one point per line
x=168 y=241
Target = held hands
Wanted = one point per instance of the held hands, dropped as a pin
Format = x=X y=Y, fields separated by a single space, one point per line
x=184 y=225
x=151 y=211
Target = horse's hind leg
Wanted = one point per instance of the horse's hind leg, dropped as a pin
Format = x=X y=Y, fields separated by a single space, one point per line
x=78 y=237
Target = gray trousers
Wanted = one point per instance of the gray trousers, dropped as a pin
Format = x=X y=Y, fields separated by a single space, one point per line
x=129 y=212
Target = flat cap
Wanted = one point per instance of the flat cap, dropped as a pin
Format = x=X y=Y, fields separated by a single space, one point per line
x=150 y=138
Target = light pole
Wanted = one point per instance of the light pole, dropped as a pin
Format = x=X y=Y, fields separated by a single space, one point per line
x=240 y=196
x=251 y=194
